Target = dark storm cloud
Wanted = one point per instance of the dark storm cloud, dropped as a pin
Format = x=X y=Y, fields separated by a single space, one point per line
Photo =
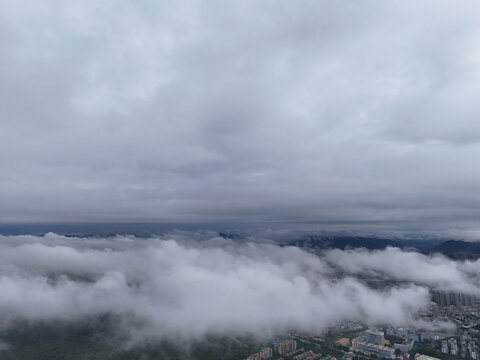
x=307 y=111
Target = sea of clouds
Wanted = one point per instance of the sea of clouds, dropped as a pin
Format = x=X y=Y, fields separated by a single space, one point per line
x=189 y=284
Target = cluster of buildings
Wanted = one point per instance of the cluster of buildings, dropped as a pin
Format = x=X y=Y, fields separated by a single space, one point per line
x=282 y=348
x=373 y=341
x=411 y=334
x=457 y=341
x=464 y=312
x=450 y=344
x=468 y=347
x=462 y=344
x=307 y=355
x=445 y=298
x=463 y=316
x=285 y=347
x=263 y=354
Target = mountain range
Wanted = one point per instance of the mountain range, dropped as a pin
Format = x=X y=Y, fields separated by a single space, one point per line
x=455 y=249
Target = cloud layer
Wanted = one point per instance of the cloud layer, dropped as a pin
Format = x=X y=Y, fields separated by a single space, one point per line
x=193 y=111
x=190 y=284
x=436 y=271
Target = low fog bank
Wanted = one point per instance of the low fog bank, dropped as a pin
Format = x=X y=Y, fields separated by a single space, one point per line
x=435 y=271
x=188 y=284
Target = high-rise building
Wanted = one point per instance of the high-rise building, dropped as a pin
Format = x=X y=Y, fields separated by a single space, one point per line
x=445 y=298
x=444 y=347
x=266 y=353
x=286 y=347
x=452 y=344
x=263 y=354
x=374 y=336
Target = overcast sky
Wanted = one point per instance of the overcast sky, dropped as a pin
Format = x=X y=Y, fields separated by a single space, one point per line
x=301 y=111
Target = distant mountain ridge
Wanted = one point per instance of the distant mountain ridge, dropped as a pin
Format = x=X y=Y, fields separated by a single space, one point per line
x=343 y=242
x=458 y=249
x=455 y=249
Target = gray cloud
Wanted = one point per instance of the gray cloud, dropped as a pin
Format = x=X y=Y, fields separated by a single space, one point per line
x=193 y=111
x=190 y=284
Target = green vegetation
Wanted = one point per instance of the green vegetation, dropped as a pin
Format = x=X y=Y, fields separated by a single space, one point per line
x=325 y=347
x=430 y=349
x=97 y=340
x=351 y=334
x=394 y=339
